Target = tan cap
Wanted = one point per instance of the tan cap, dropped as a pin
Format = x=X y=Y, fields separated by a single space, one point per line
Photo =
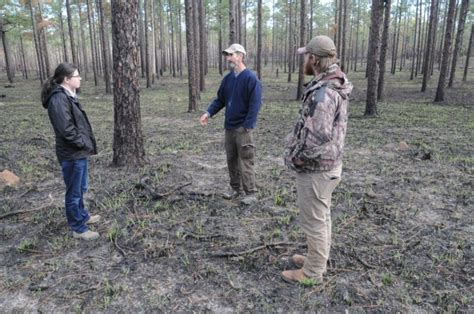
x=321 y=46
x=235 y=48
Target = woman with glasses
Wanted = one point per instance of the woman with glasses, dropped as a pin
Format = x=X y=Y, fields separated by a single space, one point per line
x=75 y=142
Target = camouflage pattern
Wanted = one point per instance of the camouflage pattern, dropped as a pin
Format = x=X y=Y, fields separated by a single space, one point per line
x=318 y=136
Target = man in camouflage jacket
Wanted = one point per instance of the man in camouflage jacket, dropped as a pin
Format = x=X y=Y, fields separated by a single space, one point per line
x=314 y=150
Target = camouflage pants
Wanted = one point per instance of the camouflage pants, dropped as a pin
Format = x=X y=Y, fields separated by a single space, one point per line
x=240 y=151
x=314 y=202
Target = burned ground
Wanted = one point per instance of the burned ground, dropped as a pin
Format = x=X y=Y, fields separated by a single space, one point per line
x=402 y=216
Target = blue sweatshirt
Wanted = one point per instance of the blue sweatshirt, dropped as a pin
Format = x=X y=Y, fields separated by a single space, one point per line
x=241 y=96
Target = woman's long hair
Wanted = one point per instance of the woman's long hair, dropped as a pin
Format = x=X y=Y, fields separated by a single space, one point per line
x=62 y=71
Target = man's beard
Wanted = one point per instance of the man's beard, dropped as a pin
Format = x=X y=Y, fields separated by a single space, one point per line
x=308 y=69
x=231 y=65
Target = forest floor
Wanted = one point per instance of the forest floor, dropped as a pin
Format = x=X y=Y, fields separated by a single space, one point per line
x=403 y=226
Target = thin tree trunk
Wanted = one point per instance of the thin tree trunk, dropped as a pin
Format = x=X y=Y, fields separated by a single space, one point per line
x=414 y=42
x=39 y=57
x=92 y=39
x=383 y=51
x=344 y=35
x=197 y=53
x=180 y=44
x=193 y=88
x=290 y=37
x=299 y=91
x=459 y=36
x=357 y=36
x=202 y=46
x=105 y=57
x=232 y=26
x=220 y=48
x=23 y=59
x=63 y=37
x=171 y=34
x=71 y=33
x=83 y=43
x=468 y=55
x=147 y=46
x=373 y=56
x=446 y=52
x=128 y=144
x=259 y=39
x=429 y=44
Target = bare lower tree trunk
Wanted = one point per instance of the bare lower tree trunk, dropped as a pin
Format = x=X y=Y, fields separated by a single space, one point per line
x=92 y=39
x=429 y=44
x=290 y=39
x=37 y=47
x=63 y=36
x=220 y=48
x=259 y=39
x=232 y=26
x=414 y=42
x=446 y=51
x=83 y=43
x=468 y=55
x=197 y=53
x=383 y=51
x=193 y=88
x=459 y=35
x=23 y=59
x=373 y=56
x=105 y=49
x=6 y=50
x=344 y=35
x=299 y=91
x=128 y=138
x=71 y=33
x=202 y=46
x=147 y=46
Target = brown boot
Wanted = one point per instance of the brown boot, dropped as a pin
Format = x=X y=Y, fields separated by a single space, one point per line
x=298 y=260
x=293 y=276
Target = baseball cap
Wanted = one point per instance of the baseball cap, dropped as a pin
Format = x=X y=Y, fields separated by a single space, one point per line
x=235 y=48
x=321 y=46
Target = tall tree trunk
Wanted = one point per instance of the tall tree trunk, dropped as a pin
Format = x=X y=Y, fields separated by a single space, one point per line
x=446 y=52
x=357 y=36
x=232 y=26
x=220 y=48
x=71 y=33
x=83 y=43
x=468 y=55
x=128 y=137
x=344 y=35
x=373 y=56
x=429 y=44
x=414 y=42
x=105 y=49
x=6 y=50
x=23 y=59
x=156 y=34
x=171 y=34
x=299 y=91
x=459 y=35
x=383 y=51
x=43 y=42
x=397 y=41
x=39 y=57
x=92 y=39
x=197 y=45
x=147 y=46
x=63 y=37
x=290 y=39
x=193 y=88
x=180 y=45
x=141 y=34
x=202 y=45
x=259 y=39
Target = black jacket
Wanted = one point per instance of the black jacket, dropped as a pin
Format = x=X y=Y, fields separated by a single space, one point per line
x=74 y=136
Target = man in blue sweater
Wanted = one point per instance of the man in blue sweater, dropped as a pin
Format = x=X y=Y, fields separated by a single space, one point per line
x=240 y=93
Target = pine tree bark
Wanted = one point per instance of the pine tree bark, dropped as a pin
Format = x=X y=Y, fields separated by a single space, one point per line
x=259 y=39
x=299 y=91
x=105 y=49
x=43 y=42
x=63 y=36
x=459 y=36
x=202 y=46
x=448 y=38
x=232 y=22
x=290 y=39
x=468 y=55
x=220 y=48
x=429 y=53
x=71 y=33
x=197 y=53
x=373 y=57
x=147 y=46
x=92 y=40
x=83 y=43
x=128 y=138
x=383 y=51
x=6 y=50
x=414 y=56
x=39 y=57
x=344 y=35
x=193 y=88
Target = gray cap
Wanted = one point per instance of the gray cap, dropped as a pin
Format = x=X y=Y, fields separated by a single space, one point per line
x=321 y=46
x=235 y=48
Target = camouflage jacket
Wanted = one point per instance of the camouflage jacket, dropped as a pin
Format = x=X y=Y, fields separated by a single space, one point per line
x=318 y=136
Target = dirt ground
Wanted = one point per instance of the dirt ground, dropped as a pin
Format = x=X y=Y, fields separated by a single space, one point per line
x=402 y=218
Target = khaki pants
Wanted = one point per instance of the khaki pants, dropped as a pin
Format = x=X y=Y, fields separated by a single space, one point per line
x=314 y=202
x=240 y=151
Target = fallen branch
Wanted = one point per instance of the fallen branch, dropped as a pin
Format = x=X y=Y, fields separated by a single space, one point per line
x=362 y=261
x=29 y=210
x=155 y=195
x=255 y=249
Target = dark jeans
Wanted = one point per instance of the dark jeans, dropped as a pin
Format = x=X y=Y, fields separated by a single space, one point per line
x=240 y=151
x=75 y=178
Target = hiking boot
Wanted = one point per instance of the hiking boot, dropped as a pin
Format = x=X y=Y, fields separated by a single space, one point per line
x=231 y=194
x=298 y=260
x=87 y=235
x=93 y=219
x=297 y=276
x=249 y=199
